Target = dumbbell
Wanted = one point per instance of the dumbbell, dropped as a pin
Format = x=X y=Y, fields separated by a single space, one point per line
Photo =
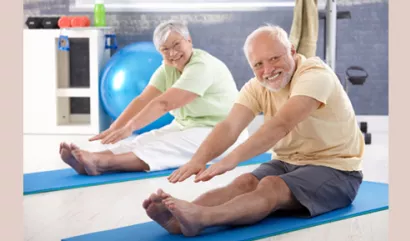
x=42 y=22
x=34 y=22
x=363 y=126
x=57 y=22
x=367 y=138
x=73 y=21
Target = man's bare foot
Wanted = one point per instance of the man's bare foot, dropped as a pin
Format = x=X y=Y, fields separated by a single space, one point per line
x=88 y=160
x=157 y=211
x=69 y=159
x=189 y=215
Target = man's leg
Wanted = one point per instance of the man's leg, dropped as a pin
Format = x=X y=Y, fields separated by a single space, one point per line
x=157 y=211
x=315 y=189
x=243 y=184
x=271 y=194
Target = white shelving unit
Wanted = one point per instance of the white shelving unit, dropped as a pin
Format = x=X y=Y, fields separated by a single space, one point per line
x=47 y=91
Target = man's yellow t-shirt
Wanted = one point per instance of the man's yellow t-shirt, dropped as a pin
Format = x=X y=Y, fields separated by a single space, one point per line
x=330 y=136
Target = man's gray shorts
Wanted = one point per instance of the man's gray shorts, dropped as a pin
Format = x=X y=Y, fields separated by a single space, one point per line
x=319 y=189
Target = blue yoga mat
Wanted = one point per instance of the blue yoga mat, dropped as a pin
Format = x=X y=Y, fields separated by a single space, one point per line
x=49 y=181
x=372 y=197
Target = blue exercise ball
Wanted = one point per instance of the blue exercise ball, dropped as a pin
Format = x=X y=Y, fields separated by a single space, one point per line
x=125 y=76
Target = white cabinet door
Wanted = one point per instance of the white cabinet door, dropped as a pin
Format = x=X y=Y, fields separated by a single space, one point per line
x=39 y=81
x=46 y=91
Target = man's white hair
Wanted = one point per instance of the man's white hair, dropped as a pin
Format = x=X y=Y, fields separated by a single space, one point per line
x=275 y=32
x=163 y=30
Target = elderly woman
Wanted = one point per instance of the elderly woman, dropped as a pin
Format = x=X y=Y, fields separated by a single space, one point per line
x=194 y=86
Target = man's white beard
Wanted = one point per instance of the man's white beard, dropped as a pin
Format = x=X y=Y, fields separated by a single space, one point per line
x=267 y=86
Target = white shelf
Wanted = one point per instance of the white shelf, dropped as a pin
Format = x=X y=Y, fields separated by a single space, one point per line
x=74 y=92
x=86 y=32
x=46 y=83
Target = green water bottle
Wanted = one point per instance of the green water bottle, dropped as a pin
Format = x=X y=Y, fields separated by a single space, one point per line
x=99 y=13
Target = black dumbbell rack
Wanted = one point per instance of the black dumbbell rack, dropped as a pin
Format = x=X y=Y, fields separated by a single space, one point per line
x=358 y=80
x=353 y=79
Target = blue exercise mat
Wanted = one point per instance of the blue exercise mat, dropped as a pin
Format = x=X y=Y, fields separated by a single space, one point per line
x=372 y=197
x=49 y=181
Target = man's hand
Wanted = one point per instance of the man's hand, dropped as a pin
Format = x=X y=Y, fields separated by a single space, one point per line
x=218 y=168
x=223 y=135
x=186 y=171
x=118 y=135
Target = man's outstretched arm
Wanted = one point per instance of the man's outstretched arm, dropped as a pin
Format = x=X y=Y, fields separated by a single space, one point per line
x=223 y=136
x=297 y=109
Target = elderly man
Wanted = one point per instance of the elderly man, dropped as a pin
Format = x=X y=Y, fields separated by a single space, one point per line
x=194 y=86
x=309 y=123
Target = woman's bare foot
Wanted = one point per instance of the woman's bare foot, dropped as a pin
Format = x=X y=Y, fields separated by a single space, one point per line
x=69 y=159
x=88 y=160
x=157 y=211
x=189 y=215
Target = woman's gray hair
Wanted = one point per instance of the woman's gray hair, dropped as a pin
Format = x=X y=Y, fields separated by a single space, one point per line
x=163 y=30
x=275 y=32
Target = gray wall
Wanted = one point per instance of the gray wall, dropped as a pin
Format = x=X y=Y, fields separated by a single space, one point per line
x=362 y=40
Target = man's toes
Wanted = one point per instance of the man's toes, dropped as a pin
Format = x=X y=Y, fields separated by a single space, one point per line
x=163 y=194
x=170 y=206
x=160 y=192
x=168 y=202
x=155 y=198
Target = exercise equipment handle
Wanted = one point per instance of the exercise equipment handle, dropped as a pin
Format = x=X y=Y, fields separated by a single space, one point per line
x=356 y=68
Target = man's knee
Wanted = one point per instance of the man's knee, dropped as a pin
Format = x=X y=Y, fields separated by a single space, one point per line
x=277 y=192
x=274 y=187
x=272 y=182
x=246 y=182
